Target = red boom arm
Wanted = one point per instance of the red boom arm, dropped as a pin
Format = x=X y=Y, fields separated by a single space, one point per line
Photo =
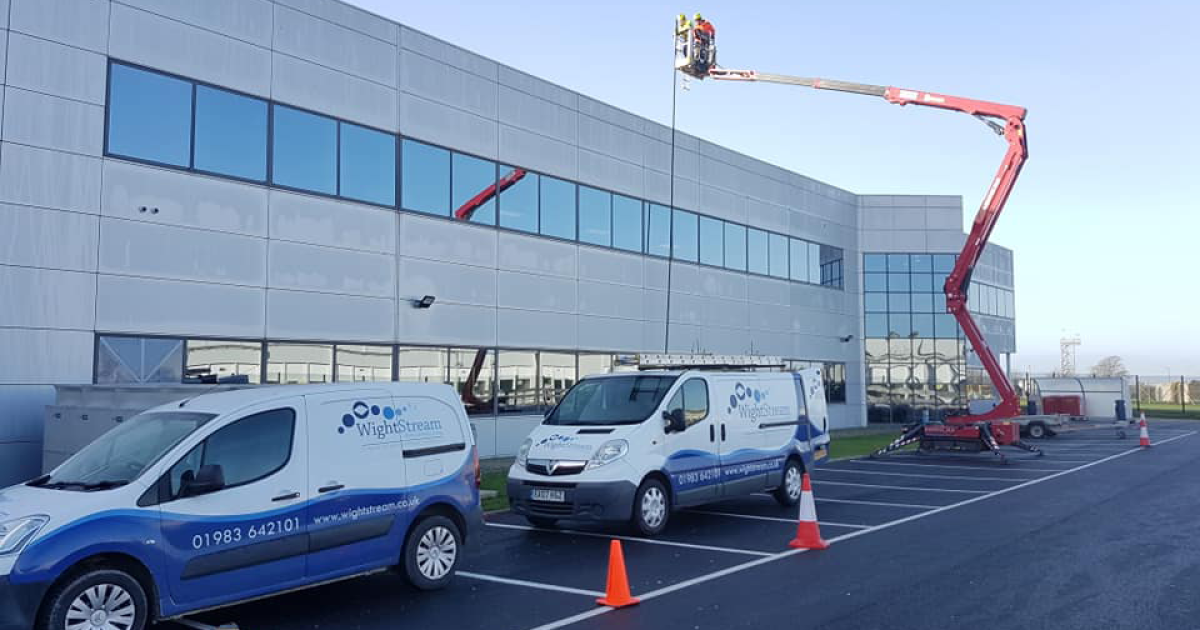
x=1007 y=120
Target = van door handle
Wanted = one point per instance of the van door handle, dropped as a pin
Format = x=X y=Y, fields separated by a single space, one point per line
x=722 y=432
x=336 y=486
x=712 y=433
x=287 y=497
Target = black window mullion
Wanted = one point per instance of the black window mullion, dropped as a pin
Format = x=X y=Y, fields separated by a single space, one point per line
x=192 y=139
x=337 y=147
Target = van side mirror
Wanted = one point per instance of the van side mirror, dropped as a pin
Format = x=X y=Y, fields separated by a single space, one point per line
x=673 y=421
x=208 y=479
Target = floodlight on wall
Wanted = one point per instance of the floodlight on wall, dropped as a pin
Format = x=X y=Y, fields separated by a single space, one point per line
x=424 y=302
x=847 y=338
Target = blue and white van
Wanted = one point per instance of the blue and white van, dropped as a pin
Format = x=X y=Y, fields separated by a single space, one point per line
x=632 y=446
x=237 y=495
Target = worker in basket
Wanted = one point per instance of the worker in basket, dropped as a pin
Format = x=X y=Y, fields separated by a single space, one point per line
x=683 y=31
x=706 y=53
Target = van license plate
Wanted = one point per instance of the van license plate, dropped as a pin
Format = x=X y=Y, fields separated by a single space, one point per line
x=544 y=494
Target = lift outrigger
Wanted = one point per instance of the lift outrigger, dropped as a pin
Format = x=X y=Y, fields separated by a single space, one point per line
x=695 y=56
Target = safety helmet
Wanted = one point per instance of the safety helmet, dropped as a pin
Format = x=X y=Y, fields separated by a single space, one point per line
x=699 y=17
x=682 y=17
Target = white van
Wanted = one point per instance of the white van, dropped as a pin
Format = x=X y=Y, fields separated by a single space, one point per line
x=633 y=446
x=237 y=495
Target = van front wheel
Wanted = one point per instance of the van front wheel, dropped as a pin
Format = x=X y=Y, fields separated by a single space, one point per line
x=431 y=553
x=651 y=507
x=102 y=598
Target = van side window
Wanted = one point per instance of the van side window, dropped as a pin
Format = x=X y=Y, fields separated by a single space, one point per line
x=247 y=450
x=695 y=401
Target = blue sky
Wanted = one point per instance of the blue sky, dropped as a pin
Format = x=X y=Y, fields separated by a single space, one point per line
x=1105 y=218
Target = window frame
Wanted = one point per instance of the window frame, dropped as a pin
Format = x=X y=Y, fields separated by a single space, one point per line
x=164 y=481
x=684 y=399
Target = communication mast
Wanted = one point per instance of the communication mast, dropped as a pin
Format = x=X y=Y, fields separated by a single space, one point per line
x=1066 y=350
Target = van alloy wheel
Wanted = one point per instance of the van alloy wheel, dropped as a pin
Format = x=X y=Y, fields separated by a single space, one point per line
x=436 y=553
x=101 y=607
x=654 y=507
x=793 y=483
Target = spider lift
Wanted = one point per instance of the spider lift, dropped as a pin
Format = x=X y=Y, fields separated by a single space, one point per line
x=966 y=433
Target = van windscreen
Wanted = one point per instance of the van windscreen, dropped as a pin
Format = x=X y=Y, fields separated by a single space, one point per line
x=611 y=400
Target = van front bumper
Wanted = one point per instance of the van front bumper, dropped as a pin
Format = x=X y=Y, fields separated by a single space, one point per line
x=590 y=500
x=19 y=604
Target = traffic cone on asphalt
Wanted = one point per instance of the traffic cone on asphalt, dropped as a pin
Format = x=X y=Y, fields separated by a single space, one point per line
x=808 y=533
x=1144 y=433
x=616 y=593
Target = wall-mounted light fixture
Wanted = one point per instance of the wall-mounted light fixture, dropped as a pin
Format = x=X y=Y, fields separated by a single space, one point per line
x=424 y=302
x=847 y=338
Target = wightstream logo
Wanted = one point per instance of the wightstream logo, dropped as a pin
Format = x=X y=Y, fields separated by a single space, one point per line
x=559 y=442
x=753 y=404
x=380 y=423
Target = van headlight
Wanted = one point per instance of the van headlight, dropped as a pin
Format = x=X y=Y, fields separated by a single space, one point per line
x=14 y=534
x=608 y=453
x=523 y=452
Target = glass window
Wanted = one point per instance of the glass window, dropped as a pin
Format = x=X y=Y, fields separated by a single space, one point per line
x=304 y=151
x=250 y=449
x=519 y=202
x=899 y=302
x=425 y=178
x=922 y=282
x=814 y=263
x=922 y=302
x=875 y=262
x=625 y=399
x=900 y=324
x=921 y=263
x=877 y=325
x=658 y=230
x=472 y=177
x=558 y=375
x=945 y=326
x=779 y=255
x=124 y=452
x=876 y=302
x=712 y=241
x=922 y=324
x=684 y=237
x=939 y=302
x=358 y=363
x=517 y=390
x=756 y=250
x=695 y=401
x=473 y=376
x=299 y=363
x=595 y=216
x=627 y=223
x=834 y=375
x=943 y=263
x=595 y=364
x=421 y=365
x=898 y=262
x=138 y=360
x=735 y=247
x=558 y=208
x=224 y=361
x=799 y=259
x=899 y=282
x=368 y=166
x=149 y=116
x=875 y=282
x=231 y=134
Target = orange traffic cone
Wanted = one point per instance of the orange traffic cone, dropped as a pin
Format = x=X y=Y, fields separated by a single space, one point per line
x=616 y=593
x=1144 y=434
x=808 y=534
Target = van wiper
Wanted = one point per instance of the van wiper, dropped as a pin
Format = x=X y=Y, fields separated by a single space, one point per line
x=83 y=485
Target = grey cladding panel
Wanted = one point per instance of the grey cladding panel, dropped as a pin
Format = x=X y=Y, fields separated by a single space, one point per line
x=334 y=46
x=538 y=87
x=432 y=47
x=447 y=84
x=247 y=20
x=347 y=15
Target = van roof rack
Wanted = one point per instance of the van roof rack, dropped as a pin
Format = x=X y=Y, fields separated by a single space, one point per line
x=709 y=362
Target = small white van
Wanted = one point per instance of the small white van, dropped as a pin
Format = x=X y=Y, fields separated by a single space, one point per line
x=633 y=446
x=237 y=495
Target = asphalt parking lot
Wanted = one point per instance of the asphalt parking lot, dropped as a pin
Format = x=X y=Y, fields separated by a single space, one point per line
x=1095 y=532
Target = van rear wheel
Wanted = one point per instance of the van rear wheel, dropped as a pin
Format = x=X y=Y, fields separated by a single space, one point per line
x=432 y=552
x=100 y=598
x=789 y=490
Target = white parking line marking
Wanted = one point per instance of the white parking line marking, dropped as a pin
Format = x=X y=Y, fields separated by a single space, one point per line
x=896 y=474
x=822 y=482
x=987 y=469
x=588 y=614
x=990 y=462
x=915 y=506
x=649 y=541
x=539 y=585
x=755 y=517
x=566 y=621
